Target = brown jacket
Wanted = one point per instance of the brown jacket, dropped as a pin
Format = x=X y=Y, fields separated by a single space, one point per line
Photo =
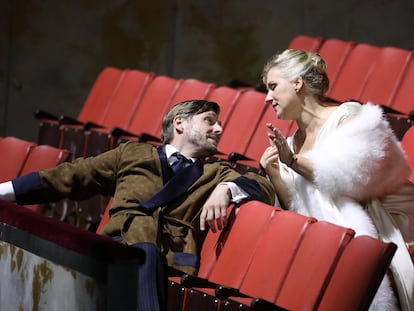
x=131 y=173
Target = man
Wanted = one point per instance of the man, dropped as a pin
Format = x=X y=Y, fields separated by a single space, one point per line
x=134 y=172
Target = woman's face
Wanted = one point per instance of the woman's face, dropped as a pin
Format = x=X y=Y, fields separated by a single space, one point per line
x=281 y=94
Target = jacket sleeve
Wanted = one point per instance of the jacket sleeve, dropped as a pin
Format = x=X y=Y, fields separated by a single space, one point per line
x=257 y=187
x=76 y=180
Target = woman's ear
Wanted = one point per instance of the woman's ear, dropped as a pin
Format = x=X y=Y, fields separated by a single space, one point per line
x=298 y=83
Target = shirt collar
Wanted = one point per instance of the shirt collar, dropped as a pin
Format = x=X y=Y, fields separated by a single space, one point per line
x=169 y=150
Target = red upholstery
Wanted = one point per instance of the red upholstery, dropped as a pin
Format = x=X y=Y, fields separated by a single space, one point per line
x=259 y=141
x=231 y=266
x=403 y=99
x=335 y=53
x=227 y=98
x=242 y=122
x=386 y=75
x=210 y=251
x=355 y=72
x=126 y=99
x=148 y=116
x=191 y=89
x=242 y=242
x=296 y=263
x=353 y=285
x=313 y=266
x=118 y=112
x=14 y=153
x=407 y=143
x=105 y=216
x=275 y=254
x=305 y=42
x=92 y=110
x=100 y=95
x=41 y=157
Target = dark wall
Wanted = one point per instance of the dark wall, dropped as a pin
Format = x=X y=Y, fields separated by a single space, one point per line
x=52 y=51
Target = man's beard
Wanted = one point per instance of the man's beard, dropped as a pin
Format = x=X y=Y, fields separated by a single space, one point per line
x=205 y=147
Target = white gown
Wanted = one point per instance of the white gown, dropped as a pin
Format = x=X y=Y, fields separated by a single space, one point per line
x=361 y=161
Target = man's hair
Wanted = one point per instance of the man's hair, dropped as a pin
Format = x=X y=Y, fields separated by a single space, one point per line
x=186 y=109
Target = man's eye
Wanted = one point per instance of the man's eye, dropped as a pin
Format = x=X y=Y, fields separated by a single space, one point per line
x=210 y=121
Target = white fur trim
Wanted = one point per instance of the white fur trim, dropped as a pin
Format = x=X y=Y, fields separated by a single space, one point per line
x=361 y=159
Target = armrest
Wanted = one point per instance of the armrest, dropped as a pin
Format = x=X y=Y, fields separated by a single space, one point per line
x=118 y=132
x=42 y=115
x=224 y=292
x=144 y=137
x=194 y=281
x=234 y=157
x=69 y=120
x=260 y=304
x=89 y=125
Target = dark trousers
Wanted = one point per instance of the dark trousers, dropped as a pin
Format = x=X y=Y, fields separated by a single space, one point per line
x=152 y=279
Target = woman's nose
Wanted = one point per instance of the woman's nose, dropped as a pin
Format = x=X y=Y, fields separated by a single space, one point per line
x=269 y=98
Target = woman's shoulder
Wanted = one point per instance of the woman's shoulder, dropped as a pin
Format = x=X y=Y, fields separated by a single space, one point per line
x=350 y=107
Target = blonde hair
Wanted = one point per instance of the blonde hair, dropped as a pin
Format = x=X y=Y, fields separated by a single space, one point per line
x=298 y=63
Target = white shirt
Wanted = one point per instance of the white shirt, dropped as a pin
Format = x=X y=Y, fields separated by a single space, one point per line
x=237 y=194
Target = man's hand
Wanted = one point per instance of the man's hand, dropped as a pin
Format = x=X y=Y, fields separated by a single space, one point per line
x=215 y=209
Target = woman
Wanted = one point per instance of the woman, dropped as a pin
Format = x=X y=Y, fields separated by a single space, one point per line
x=340 y=164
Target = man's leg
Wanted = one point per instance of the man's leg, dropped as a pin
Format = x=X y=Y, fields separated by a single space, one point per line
x=152 y=279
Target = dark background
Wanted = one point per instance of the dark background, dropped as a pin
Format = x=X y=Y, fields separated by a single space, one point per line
x=51 y=51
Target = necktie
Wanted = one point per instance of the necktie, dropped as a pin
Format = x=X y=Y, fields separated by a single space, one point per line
x=179 y=162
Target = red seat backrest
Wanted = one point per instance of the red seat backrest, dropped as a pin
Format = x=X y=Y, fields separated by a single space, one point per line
x=44 y=156
x=14 y=152
x=154 y=104
x=357 y=275
x=251 y=221
x=41 y=157
x=213 y=245
x=274 y=255
x=407 y=144
x=259 y=140
x=354 y=73
x=305 y=42
x=126 y=99
x=100 y=95
x=403 y=99
x=227 y=98
x=242 y=122
x=386 y=76
x=335 y=52
x=313 y=265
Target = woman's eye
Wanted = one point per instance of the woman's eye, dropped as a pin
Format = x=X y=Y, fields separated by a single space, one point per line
x=272 y=86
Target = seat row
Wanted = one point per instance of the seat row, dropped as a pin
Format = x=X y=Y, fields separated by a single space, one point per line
x=282 y=261
x=129 y=104
x=368 y=73
x=19 y=157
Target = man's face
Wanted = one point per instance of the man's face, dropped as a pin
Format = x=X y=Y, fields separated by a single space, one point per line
x=202 y=133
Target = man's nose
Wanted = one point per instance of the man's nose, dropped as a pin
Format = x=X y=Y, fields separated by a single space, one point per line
x=218 y=128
